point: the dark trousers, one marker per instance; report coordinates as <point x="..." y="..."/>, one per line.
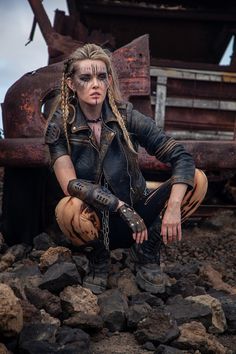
<point x="120" y="235"/>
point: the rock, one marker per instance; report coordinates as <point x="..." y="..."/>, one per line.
<point x="126" y="283"/>
<point x="179" y="271"/>
<point x="136" y="313"/>
<point x="158" y="327"/>
<point x="38" y="332"/>
<point x="6" y="261"/>
<point x="228" y="303"/>
<point x="150" y="299"/>
<point x="19" y="251"/>
<point x="193" y="335"/>
<point x="215" y="278"/>
<point x="43" y="299"/>
<point x="54" y="255"/>
<point x="38" y="347"/>
<point x="82" y="264"/>
<point x="11" y="313"/>
<point x="118" y="255"/>
<point x="149" y="346"/>
<point x="47" y="319"/>
<point x="16" y="285"/>
<point x="218" y="317"/>
<point x="35" y="255"/>
<point x="76" y="299"/>
<point x="184" y="310"/>
<point x="85" y="322"/>
<point x="29" y="274"/>
<point x="30" y="313"/>
<point x="186" y="287"/>
<point x="113" y="305"/>
<point x="60" y="275"/>
<point x="43" y="241"/>
<point x="124" y="343"/>
<point x="75" y="337"/>
<point x="165" y="349"/>
<point x="42" y="338"/>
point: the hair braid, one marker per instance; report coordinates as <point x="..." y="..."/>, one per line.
<point x="65" y="107"/>
<point x="120" y="121"/>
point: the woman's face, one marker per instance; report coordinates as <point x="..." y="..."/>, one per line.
<point x="90" y="81"/>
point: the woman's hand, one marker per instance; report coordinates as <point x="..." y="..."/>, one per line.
<point x="134" y="221"/>
<point x="171" y="230"/>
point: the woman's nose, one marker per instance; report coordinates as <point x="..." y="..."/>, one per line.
<point x="95" y="81"/>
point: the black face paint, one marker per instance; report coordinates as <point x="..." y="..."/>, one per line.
<point x="85" y="76"/>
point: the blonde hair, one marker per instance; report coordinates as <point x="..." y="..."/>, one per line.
<point x="93" y="52"/>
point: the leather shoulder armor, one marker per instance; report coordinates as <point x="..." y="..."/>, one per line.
<point x="52" y="133"/>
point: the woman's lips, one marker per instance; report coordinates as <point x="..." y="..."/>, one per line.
<point x="95" y="95"/>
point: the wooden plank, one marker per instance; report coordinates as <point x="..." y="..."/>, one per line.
<point x="160" y="102"/>
<point x="193" y="74"/>
<point x="196" y="103"/>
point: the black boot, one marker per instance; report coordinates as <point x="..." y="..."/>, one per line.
<point x="149" y="276"/>
<point x="99" y="264"/>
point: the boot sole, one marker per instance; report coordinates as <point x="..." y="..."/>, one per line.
<point x="148" y="286"/>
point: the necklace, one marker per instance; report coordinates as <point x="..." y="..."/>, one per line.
<point x="94" y="120"/>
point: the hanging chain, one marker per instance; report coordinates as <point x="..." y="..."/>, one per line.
<point x="105" y="224"/>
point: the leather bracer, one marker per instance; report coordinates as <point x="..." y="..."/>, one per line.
<point x="134" y="221"/>
<point x="93" y="194"/>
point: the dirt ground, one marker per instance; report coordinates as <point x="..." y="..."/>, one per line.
<point x="212" y="241"/>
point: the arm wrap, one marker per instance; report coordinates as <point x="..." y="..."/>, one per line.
<point x="93" y="194"/>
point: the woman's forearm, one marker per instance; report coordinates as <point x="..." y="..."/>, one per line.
<point x="64" y="171"/>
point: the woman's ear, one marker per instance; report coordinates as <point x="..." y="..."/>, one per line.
<point x="70" y="84"/>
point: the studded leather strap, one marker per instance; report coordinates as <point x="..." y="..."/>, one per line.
<point x="93" y="194"/>
<point x="132" y="218"/>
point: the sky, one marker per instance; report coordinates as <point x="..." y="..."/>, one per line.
<point x="16" y="59"/>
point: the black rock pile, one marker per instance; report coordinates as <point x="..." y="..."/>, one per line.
<point x="45" y="309"/>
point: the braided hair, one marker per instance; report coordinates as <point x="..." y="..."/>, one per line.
<point x="93" y="52"/>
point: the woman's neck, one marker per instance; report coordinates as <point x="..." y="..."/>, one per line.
<point x="91" y="112"/>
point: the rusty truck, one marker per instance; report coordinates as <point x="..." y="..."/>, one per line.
<point x="167" y="56"/>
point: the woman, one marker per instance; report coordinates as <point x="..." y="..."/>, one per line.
<point x="93" y="139"/>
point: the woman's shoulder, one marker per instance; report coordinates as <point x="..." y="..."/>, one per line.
<point x="125" y="108"/>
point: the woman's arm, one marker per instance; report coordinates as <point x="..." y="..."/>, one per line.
<point x="171" y="223"/>
<point x="64" y="171"/>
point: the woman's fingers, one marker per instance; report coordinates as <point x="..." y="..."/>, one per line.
<point x="139" y="237"/>
<point x="171" y="233"/>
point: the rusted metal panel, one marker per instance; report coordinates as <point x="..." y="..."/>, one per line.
<point x="22" y="117"/>
<point x="24" y="152"/>
<point x="132" y="63"/>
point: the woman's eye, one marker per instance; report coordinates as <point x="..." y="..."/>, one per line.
<point x="102" y="76"/>
<point x="85" y="78"/>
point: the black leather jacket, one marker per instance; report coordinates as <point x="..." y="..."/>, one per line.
<point x="113" y="159"/>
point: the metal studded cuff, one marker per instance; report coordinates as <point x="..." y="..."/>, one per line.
<point x="134" y="221"/>
<point x="93" y="194"/>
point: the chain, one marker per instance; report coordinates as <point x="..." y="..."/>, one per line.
<point x="105" y="224"/>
